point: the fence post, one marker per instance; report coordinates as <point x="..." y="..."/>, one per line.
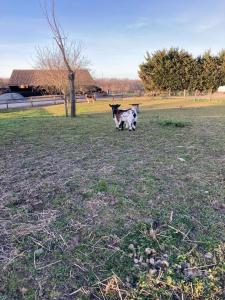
<point x="7" y="104"/>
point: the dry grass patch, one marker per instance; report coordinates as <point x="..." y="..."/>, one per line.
<point x="76" y="193"/>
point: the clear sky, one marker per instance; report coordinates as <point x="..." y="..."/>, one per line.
<point x="115" y="33"/>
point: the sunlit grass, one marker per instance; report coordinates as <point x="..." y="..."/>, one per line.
<point x="145" y="103"/>
<point x="102" y="106"/>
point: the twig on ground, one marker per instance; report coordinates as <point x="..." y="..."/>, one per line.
<point x="37" y="242"/>
<point x="177" y="230"/>
<point x="192" y="249"/>
<point x="65" y="243"/>
<point x="171" y="217"/>
<point x="75" y="292"/>
<point x="49" y="265"/>
<point x="201" y="267"/>
<point x="35" y="267"/>
<point x="81" y="268"/>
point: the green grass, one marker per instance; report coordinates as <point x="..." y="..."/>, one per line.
<point x="84" y="193"/>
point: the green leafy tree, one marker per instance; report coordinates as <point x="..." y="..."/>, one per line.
<point x="177" y="70"/>
<point x="167" y="70"/>
<point x="222" y="61"/>
<point x="197" y="79"/>
<point x="212" y="71"/>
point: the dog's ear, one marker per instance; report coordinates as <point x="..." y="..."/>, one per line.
<point x="118" y="105"/>
<point x="110" y="105"/>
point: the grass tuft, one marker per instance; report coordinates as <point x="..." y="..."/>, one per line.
<point x="173" y="123"/>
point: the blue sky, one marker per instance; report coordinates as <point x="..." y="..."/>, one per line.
<point x="115" y="33"/>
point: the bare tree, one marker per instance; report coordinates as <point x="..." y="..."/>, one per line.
<point x="55" y="76"/>
<point x="1" y="83"/>
<point x="70" y="55"/>
<point x="4" y="82"/>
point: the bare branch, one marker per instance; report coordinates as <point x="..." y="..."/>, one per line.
<point x="68" y="57"/>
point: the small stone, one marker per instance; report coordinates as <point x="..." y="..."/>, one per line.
<point x="181" y="159"/>
<point x="155" y="224"/>
<point x="136" y="261"/>
<point x="165" y="264"/>
<point x="141" y="259"/>
<point x="177" y="268"/>
<point x="150" y="251"/>
<point x="165" y="256"/>
<point x="75" y="240"/>
<point x="144" y="265"/>
<point x="131" y="247"/>
<point x="152" y="234"/>
<point x="152" y="261"/>
<point x="158" y="264"/>
<point x="208" y="255"/>
<point x="184" y="266"/>
<point x="190" y="273"/>
<point x="152" y="271"/>
<point x="218" y="206"/>
<point x="23" y="291"/>
<point x="153" y="252"/>
<point x="37" y="205"/>
<point x="38" y="252"/>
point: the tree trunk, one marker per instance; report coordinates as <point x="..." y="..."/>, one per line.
<point x="66" y="106"/>
<point x="71" y="77"/>
<point x="184" y="93"/>
<point x="210" y="95"/>
<point x="195" y="95"/>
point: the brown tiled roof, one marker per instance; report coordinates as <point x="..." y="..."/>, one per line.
<point x="41" y="77"/>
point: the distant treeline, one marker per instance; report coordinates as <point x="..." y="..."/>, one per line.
<point x="175" y="69"/>
<point x="115" y="85"/>
<point x="3" y="82"/>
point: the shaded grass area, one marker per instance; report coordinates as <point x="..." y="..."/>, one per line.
<point x="172" y="122"/>
<point x="77" y="194"/>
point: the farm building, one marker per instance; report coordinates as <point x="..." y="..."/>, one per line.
<point x="221" y="89"/>
<point x="36" y="82"/>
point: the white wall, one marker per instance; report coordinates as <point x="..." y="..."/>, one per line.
<point x="221" y="89"/>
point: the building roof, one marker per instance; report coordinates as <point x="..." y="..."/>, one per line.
<point x="41" y="77"/>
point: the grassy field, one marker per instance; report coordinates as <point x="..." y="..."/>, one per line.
<point x="88" y="212"/>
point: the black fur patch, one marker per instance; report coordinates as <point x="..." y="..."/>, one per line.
<point x="121" y="125"/>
